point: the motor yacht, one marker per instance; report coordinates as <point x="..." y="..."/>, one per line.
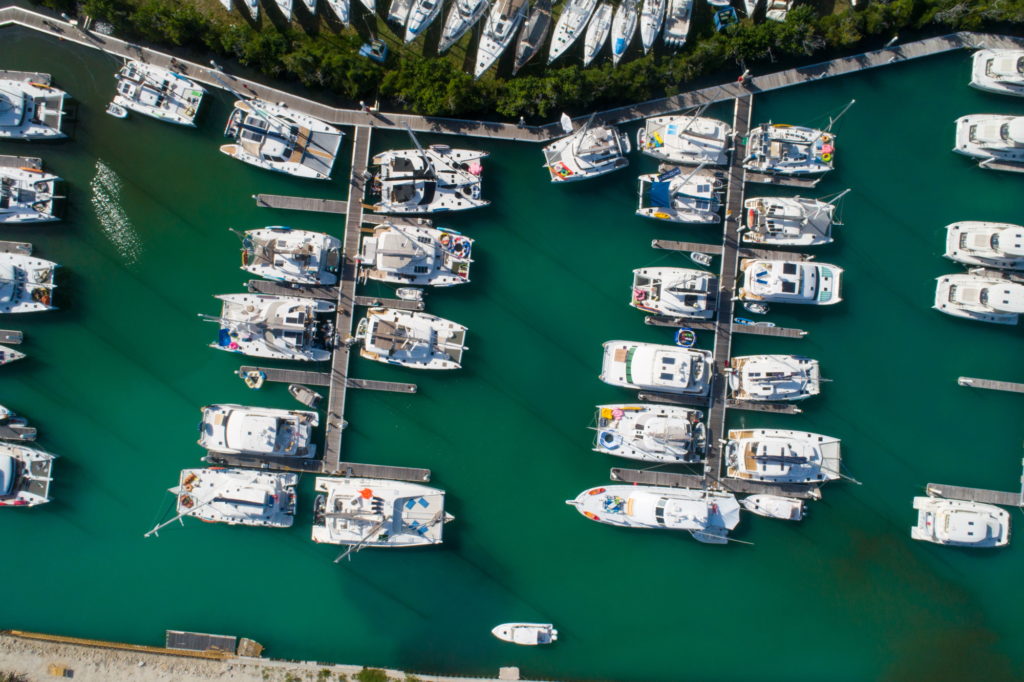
<point x="960" y="523"/>
<point x="675" y="292"/>
<point x="782" y="281"/>
<point x="429" y="180"/>
<point x="655" y="367"/>
<point x="411" y="339"/>
<point x="416" y="255"/>
<point x="989" y="245"/>
<point x="279" y="327"/>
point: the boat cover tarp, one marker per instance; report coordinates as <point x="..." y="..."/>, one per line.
<point x="660" y="195"/>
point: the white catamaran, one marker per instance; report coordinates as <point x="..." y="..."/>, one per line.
<point x="681" y="196"/>
<point x="287" y="255"/>
<point x="782" y="456"/>
<point x="789" y="221"/>
<point x="411" y="339"/>
<point x="416" y="255"/>
<point x="237" y="497"/>
<point x="692" y="140"/>
<point x="429" y="180"/>
<point x="25" y="475"/>
<point x="262" y="431"/>
<point x="30" y="110"/>
<point x="651" y="432"/>
<point x="655" y="367"/>
<point x="762" y="378"/>
<point x="675" y="292"/>
<point x="26" y="283"/>
<point x="779" y="281"/>
<point x="589" y="152"/>
<point x="157" y="92"/>
<point x="27" y="195"/>
<point x="999" y="71"/>
<point x="279" y="327"/>
<point x="990" y="245"/>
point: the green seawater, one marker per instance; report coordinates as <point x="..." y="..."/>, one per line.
<point x="115" y="379"/>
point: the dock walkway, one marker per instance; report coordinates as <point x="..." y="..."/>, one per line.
<point x="957" y="492"/>
<point x="735" y="485"/>
<point x="20" y="161"/>
<point x="991" y="384"/>
<point x="301" y="203"/>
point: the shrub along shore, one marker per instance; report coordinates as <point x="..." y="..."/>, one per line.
<point x="322" y="55"/>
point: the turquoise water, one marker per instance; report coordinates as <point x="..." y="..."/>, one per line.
<point x="115" y="380"/>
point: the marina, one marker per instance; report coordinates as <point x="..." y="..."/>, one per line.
<point x="512" y="314"/>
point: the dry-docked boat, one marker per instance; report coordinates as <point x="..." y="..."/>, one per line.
<point x="960" y="523"/>
<point x="287" y="255"/>
<point x="623" y="28"/>
<point x="154" y="91"/>
<point x="985" y="298"/>
<point x="991" y="137"/>
<point x="342" y="9"/>
<point x="789" y="150"/>
<point x="252" y="7"/>
<point x="421" y="15"/>
<point x="370" y="512"/>
<point x="277" y="138"/>
<point x="27" y="195"/>
<point x="675" y="292"/>
<point x="237" y="497"/>
<point x="1000" y="71"/>
<point x="588" y="152"/>
<point x="398" y="12"/>
<point x="655" y="367"/>
<point x="526" y="634"/>
<point x="597" y="32"/>
<point x="461" y="17"/>
<point x="788" y="221"/>
<point x="26" y="283"/>
<point x="25" y="475"/>
<point x="677" y="22"/>
<point x="411" y="339"/>
<point x="707" y="516"/>
<point x="651" y="432"/>
<point x="686" y="139"/>
<point x="416" y="255"/>
<point x="280" y="327"/>
<point x="430" y="180"/>
<point x="782" y="456"/>
<point x="778" y="9"/>
<point x="991" y="245"/>
<point x="680" y="196"/>
<point x="30" y="110"/>
<point x="264" y="431"/>
<point x="499" y="29"/>
<point x="779" y="281"/>
<point x="285" y="7"/>
<point x="773" y="377"/>
<point x="774" y="506"/>
<point x="533" y="34"/>
<point x="750" y="6"/>
<point x="570" y="25"/>
<point x="652" y="15"/>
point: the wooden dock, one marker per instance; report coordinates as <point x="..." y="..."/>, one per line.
<point x="662" y="478"/>
<point x="761" y="330"/>
<point x="397" y="303"/>
<point x="802" y="182"/>
<point x="673" y="399"/>
<point x="662" y="321"/>
<point x="802" y="491"/>
<point x="670" y="245"/>
<point x="301" y="203"/>
<point x="20" y="161"/>
<point x="735" y="485"/>
<point x="990" y="384"/>
<point x="11" y="336"/>
<point x="774" y="408"/>
<point x="956" y="492"/>
<point x="22" y="248"/>
<point x="316" y="466"/>
<point x="262" y="286"/>
<point x="768" y="254"/>
<point x="295" y="376"/>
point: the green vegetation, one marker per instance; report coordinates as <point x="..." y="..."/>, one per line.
<point x="319" y="54"/>
<point x="372" y="675"/>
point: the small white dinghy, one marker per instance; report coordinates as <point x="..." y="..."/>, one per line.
<point x="774" y="507"/>
<point x="527" y="634"/>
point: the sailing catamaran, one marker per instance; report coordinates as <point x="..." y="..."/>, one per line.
<point x="589" y="152"/>
<point x="287" y="255"/>
<point x="411" y="339"/>
<point x="773" y="377"/>
<point x="277" y="138"/>
<point x="533" y="34"/>
<point x="570" y="25"/>
<point x="27" y="195"/>
<point x="789" y="221"/>
<point x="686" y="139"/>
<point x="681" y="196"/>
<point x="25" y="475"/>
<point x="675" y="292"/>
<point x="157" y="92"/>
<point x="651" y="18"/>
<point x="461" y="17"/>
<point x="429" y="180"/>
<point x="782" y="456"/>
<point x="416" y="255"/>
<point x="26" y="283"/>
<point x="650" y="432"/>
<point x="280" y="327"/>
<point x="30" y="110"/>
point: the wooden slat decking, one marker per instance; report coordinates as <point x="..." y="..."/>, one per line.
<point x="301" y="203"/>
<point x="670" y="245"/>
<point x="774" y="408"/>
<point x="783" y="180"/>
<point x="761" y="330"/>
<point x="956" y="492"/>
<point x="20" y="161"/>
<point x="262" y="286"/>
<point x="662" y="478"/>
<point x="991" y="384"/>
<point x="11" y="336"/>
<point x="673" y="399"/>
<point x="373" y="302"/>
<point x="290" y="376"/>
<point x="769" y="254"/>
<point x="662" y="321"/>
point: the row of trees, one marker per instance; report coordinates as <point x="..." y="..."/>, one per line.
<point x="438" y="86"/>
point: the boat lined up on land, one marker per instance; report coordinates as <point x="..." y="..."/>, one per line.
<point x="416" y="255"/>
<point x="27" y="195"/>
<point x="263" y="431"/>
<point x="430" y="180"/>
<point x="675" y="292"/>
<point x="986" y="244"/>
<point x="775" y="148"/>
<point x="685" y="139"/>
<point x="782" y="456"/>
<point x="369" y="512"/>
<point x="589" y="152"/>
<point x="981" y="297"/>
<point x="461" y="17"/>
<point x="708" y="516"/>
<point x="788" y="221"/>
<point x="778" y="9"/>
<point x="287" y="255"/>
<point x="27" y="283"/>
<point x="342" y="9"/>
<point x="651" y="432"/>
<point x="154" y="91"/>
<point x="411" y="339"/>
<point x="499" y="30"/>
<point x="30" y="110"/>
<point x="681" y="196"/>
<point x="274" y="137"/>
<point x="533" y="34"/>
<point x="25" y="475"/>
<point x="570" y="26"/>
<point x="279" y="327"/>
<point x="762" y="378"/>
<point x="421" y="16"/>
<point x="251" y="6"/>
<point x="677" y="22"/>
<point x="624" y="24"/>
<point x="652" y="16"/>
<point x="999" y="71"/>
<point x="656" y="367"/>
<point x="780" y="281"/>
<point x="237" y="497"/>
<point x="597" y="32"/>
<point x="960" y="523"/>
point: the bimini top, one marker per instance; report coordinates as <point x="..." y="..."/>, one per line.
<point x="30" y="111"/>
<point x="656" y="367"/>
<point x="371" y="512"/>
<point x="258" y="431"/>
<point x="996" y="245"/>
<point x="277" y="138"/>
<point x="789" y="150"/>
<point x="708" y="516"/>
<point x="26" y="283"/>
<point x="416" y="255"/>
<point x="790" y="281"/>
<point x="675" y="292"/>
<point x="999" y="71"/>
<point x="960" y="523"/>
<point x="680" y="196"/>
<point x="686" y="139"/>
<point x="782" y="456"/>
<point x="980" y="297"/>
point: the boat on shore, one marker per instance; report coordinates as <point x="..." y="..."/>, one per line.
<point x="421" y="15"/>
<point x="623" y="28"/>
<point x="461" y="17"/>
<point x="533" y="34"/>
<point x="398" y="13"/>
<point x="675" y="292"/>
<point x="652" y="16"/>
<point x="526" y="634"/>
<point x="656" y="367"/>
<point x="30" y="110"/>
<point x="499" y="30"/>
<point x="677" y="22"/>
<point x="162" y="94"/>
<point x="416" y="255"/>
<point x="764" y="378"/>
<point x="263" y="431"/>
<point x="26" y="283"/>
<point x="782" y="456"/>
<point x="778" y="281"/>
<point x="597" y="32"/>
<point x="985" y="298"/>
<point x="986" y="244"/>
<point x="960" y="523"/>
<point x="279" y="327"/>
<point x="570" y="26"/>
<point x="25" y="475"/>
<point x="999" y="71"/>
<point x="651" y="432"/>
<point x="695" y="140"/>
<point x="342" y="9"/>
<point x="277" y="138"/>
<point x="370" y="512"/>
<point x="27" y="195"/>
<point x="589" y="152"/>
<point x="411" y="339"/>
<point x="778" y="9"/>
<point x="237" y="497"/>
<point x="708" y="516"/>
<point x="287" y="255"/>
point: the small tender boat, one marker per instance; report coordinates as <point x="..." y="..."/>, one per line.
<point x="409" y="293"/>
<point x="463" y="16"/>
<point x="262" y="431"/>
<point x="499" y="29"/>
<point x="656" y="367"/>
<point x="8" y="355"/>
<point x="677" y="22"/>
<point x="305" y="395"/>
<point x="990" y="245"/>
<point x="778" y="281"/>
<point x="411" y="339"/>
<point x="589" y="152"/>
<point x="651" y="18"/>
<point x="527" y="634"/>
<point x="774" y="507"/>
<point x="30" y="110"/>
<point x="789" y="150"/>
<point x="686" y="139"/>
<point x="597" y="32"/>
<point x="623" y="28"/>
<point x="116" y="110"/>
<point x="570" y="25"/>
<point x="533" y="34"/>
<point x="763" y="378"/>
<point x="960" y="523"/>
<point x="985" y="298"/>
<point x="254" y="378"/>
<point x="27" y="195"/>
<point x="701" y="258"/>
<point x="999" y="71"/>
<point x="25" y="475"/>
<point x="755" y="307"/>
<point x="157" y="92"/>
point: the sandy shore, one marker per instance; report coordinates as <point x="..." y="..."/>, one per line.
<point x="33" y="658"/>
